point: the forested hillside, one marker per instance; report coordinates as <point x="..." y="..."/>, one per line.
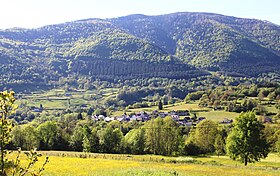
<point x="174" y="46"/>
<point x="211" y="41"/>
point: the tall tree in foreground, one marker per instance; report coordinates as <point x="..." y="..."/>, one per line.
<point x="219" y="145"/>
<point x="6" y="107"/>
<point x="171" y="137"/>
<point x="246" y="141"/>
<point x="205" y="135"/>
<point x="162" y="136"/>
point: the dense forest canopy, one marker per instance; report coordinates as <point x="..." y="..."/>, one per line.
<point x="173" y="46"/>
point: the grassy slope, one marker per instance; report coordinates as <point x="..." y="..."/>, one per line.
<point x="183" y="106"/>
<point x="71" y="163"/>
<point x="57" y="98"/>
<point x="175" y="107"/>
<point x="218" y="115"/>
<point x="202" y="112"/>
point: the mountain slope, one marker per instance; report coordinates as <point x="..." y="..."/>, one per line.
<point x="211" y="41"/>
<point x="92" y="48"/>
<point x="139" y="46"/>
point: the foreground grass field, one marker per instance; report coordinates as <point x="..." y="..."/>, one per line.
<point x="81" y="164"/>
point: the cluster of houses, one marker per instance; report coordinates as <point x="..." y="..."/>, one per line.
<point x="37" y="109"/>
<point x="181" y="117"/>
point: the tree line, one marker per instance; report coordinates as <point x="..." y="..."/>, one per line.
<point x="239" y="99"/>
<point x="160" y="136"/>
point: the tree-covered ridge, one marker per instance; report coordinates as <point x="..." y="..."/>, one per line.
<point x="118" y="69"/>
<point x="52" y="40"/>
<point x="116" y="44"/>
<point x="210" y="42"/>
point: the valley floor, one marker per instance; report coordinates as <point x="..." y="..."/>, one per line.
<point x="81" y="164"/>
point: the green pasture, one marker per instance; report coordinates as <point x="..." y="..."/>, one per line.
<point x="59" y="99"/>
<point x="218" y="115"/>
<point x="84" y="164"/>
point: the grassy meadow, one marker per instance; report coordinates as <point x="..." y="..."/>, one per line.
<point x="82" y="164"/>
<point x="166" y="108"/>
<point x="201" y="111"/>
<point x="218" y="115"/>
<point x="58" y="99"/>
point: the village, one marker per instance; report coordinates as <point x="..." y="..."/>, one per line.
<point x="183" y="118"/>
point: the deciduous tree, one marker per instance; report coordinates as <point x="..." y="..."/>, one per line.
<point x="246" y="141"/>
<point x="6" y="106"/>
<point x="205" y="135"/>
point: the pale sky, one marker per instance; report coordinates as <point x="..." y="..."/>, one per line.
<point x="37" y="13"/>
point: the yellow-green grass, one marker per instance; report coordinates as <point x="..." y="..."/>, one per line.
<point x="272" y="161"/>
<point x="56" y="98"/>
<point x="77" y="166"/>
<point x="184" y="106"/>
<point x="53" y="92"/>
<point x="49" y="103"/>
<point x="74" y="163"/>
<point x="272" y="109"/>
<point x="218" y="115"/>
<point x="166" y="108"/>
<point x="135" y="110"/>
<point x="109" y="90"/>
<point x="117" y="113"/>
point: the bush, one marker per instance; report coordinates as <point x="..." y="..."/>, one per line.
<point x="192" y="149"/>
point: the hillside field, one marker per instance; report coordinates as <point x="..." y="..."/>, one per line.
<point x="58" y="99"/>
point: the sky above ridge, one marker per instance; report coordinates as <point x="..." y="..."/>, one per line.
<point x="37" y="13"/>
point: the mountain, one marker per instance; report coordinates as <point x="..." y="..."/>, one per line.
<point x="176" y="46"/>
<point x="211" y="41"/>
